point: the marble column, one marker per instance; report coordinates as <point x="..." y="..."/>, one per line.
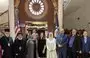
<point x="60" y="14"/>
<point x="11" y="19"/>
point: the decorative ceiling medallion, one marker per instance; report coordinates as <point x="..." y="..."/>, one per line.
<point x="36" y="9"/>
<point x="39" y="9"/>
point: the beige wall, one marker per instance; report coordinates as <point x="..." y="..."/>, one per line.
<point x="71" y="20"/>
<point x="4" y="18"/>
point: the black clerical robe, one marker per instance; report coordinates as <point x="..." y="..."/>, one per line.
<point x="6" y="43"/>
<point x="19" y="49"/>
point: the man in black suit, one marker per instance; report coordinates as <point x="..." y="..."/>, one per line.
<point x="74" y="44"/>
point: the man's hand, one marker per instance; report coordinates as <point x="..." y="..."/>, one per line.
<point x="43" y="51"/>
<point x="80" y="52"/>
<point x="59" y="45"/>
<point x="89" y="52"/>
<point x="2" y="51"/>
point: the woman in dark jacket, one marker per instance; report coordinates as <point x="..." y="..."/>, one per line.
<point x="41" y="46"/>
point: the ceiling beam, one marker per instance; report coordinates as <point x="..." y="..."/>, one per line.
<point x="3" y="12"/>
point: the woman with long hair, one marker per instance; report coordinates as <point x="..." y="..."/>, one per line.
<point x="41" y="45"/>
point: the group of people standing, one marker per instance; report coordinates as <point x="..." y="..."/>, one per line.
<point x="72" y="46"/>
<point x="28" y="46"/>
<point x="45" y="45"/>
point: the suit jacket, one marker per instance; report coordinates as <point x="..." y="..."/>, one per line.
<point x="76" y="44"/>
<point x="62" y="42"/>
<point x="86" y="45"/>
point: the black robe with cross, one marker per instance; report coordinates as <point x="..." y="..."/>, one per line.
<point x="19" y="49"/>
<point x="6" y="43"/>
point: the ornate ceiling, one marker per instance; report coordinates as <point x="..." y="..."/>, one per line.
<point x="36" y="9"/>
<point x="4" y="7"/>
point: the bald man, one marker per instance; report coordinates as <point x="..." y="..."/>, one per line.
<point x="74" y="44"/>
<point x="61" y="40"/>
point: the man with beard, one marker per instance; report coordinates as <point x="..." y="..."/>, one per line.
<point x="19" y="47"/>
<point x="6" y="43"/>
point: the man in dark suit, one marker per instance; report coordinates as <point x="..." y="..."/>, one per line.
<point x="85" y="45"/>
<point x="6" y="43"/>
<point x="74" y="44"/>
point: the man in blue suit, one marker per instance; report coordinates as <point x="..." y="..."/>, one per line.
<point x="85" y="45"/>
<point x="61" y="40"/>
